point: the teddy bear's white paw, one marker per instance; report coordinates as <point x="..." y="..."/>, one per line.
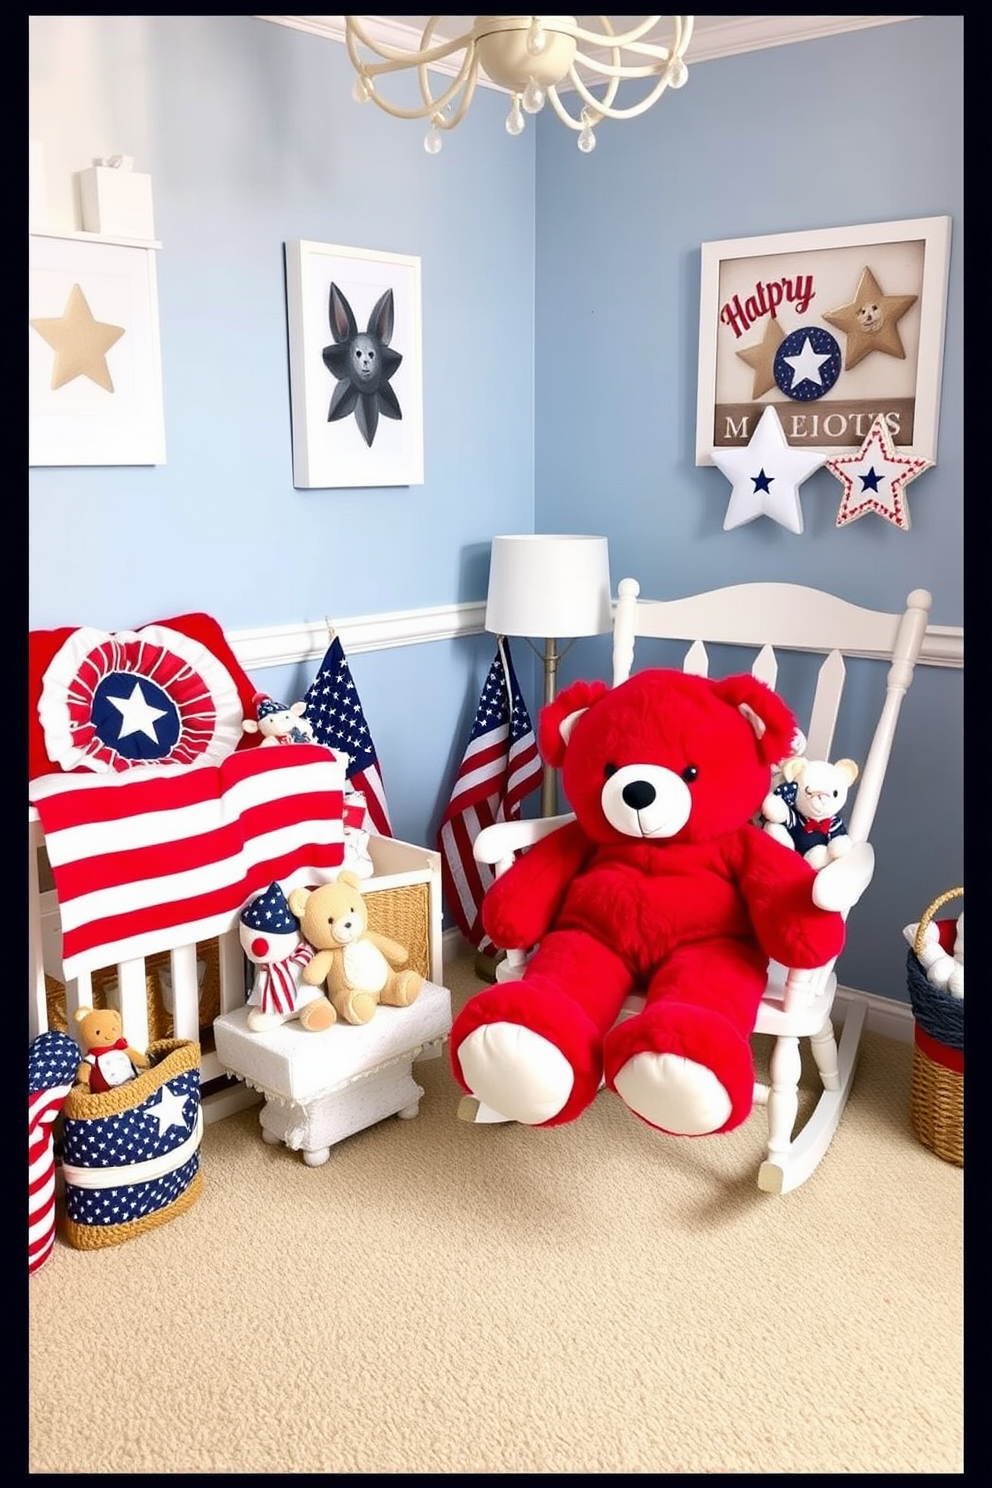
<point x="841" y="883"/>
<point x="516" y="1072"/>
<point x="673" y="1093"/>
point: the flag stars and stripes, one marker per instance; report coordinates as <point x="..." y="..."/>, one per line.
<point x="499" y="769"/>
<point x="335" y="714"/>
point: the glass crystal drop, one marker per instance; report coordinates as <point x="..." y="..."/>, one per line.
<point x="677" y="73"/>
<point x="515" y="119"/>
<point x="432" y="140"/>
<point x="533" y="97"/>
<point x="587" y="141"/>
<point x="362" y="91"/>
<point x="536" y="39"/>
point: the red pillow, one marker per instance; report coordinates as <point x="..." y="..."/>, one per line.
<point x="172" y="692"/>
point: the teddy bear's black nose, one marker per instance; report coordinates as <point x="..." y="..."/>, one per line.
<point x="638" y="794"/>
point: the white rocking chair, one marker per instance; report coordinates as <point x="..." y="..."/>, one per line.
<point x="798" y="1004"/>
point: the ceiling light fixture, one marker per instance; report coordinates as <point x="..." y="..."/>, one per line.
<point x="532" y="57"/>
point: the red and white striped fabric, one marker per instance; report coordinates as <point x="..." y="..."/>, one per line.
<point x="169" y="855"/>
<point x="52" y="1061"/>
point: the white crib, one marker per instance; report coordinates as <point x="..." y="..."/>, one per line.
<point x="404" y="875"/>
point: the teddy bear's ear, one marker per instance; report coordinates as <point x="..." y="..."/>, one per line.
<point x="793" y="767"/>
<point x="559" y="718"/>
<point x="848" y="769"/>
<point x="348" y="877"/>
<point x="80" y="1014"/>
<point x="297" y="902"/>
<point x="773" y="722"/>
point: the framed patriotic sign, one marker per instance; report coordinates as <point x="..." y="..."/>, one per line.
<point x="355" y="366"/>
<point x="94" y="357"/>
<point x="835" y="328"/>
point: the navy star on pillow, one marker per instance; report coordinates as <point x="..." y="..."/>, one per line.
<point x="154" y="696"/>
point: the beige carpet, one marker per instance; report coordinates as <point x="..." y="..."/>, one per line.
<point x="447" y="1298"/>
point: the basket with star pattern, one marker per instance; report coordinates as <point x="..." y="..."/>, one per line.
<point x="131" y="1155"/>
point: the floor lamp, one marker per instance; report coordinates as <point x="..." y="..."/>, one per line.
<point x="549" y="586"/>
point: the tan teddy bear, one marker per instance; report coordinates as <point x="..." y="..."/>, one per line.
<point x="108" y="1058"/>
<point x="360" y="967"/>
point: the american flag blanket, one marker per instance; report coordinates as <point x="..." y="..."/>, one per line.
<point x="132" y="1154"/>
<point x="167" y="855"/>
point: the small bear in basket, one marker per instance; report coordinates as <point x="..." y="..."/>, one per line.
<point x="359" y="967"/>
<point x="108" y="1059"/>
<point x="271" y="939"/>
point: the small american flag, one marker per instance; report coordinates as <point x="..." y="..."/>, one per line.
<point x="52" y="1061"/>
<point x="335" y="714"/>
<point x="170" y="854"/>
<point x="500" y="767"/>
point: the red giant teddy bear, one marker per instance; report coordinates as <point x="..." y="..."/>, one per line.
<point x="662" y="883"/>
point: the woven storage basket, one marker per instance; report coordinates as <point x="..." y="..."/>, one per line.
<point x="937" y="1093"/>
<point x="132" y="1154"/>
<point x="404" y="914"/>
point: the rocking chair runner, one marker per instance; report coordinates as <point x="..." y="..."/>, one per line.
<point x="767" y="618"/>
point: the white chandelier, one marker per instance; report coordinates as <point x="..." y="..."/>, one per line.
<point x="531" y="57"/>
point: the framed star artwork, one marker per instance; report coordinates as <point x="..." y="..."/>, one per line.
<point x="355" y="366"/>
<point x="94" y="355"/>
<point x="832" y="328"/>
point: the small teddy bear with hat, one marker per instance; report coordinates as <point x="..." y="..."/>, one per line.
<point x="270" y="938"/>
<point x="279" y="723"/>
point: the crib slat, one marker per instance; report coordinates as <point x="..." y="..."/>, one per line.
<point x="132" y="991"/>
<point x="184" y="992"/>
<point x="232" y="971"/>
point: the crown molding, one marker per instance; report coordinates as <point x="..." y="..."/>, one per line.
<point x="730" y="38"/>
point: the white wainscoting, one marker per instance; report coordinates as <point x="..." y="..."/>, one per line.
<point x="280" y="645"/>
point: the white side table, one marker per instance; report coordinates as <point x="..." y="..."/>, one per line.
<point x="321" y="1087"/>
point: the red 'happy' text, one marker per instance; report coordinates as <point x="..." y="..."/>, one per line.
<point x="765" y="300"/>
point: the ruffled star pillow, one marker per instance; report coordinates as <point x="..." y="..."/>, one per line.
<point x="171" y="693"/>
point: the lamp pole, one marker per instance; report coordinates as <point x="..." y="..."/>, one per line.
<point x="549" y="784"/>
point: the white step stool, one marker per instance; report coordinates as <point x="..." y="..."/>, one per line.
<point x="321" y="1087"/>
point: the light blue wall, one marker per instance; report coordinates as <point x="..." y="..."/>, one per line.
<point x="570" y="408"/>
<point x="834" y="132"/>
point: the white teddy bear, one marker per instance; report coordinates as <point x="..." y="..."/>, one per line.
<point x="803" y="811"/>
<point x="942" y="970"/>
<point x="279" y="724"/>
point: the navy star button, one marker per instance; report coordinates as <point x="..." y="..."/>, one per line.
<point x="762" y="482"/>
<point x="869" y="482"/>
<point x="807" y="364"/>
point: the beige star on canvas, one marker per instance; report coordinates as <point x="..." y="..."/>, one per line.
<point x="79" y="341"/>
<point x="871" y="321"/>
<point x="761" y="358"/>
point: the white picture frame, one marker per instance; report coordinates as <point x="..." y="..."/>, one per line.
<point x="810" y="276"/>
<point x="330" y="291"/>
<point x="94" y="354"/>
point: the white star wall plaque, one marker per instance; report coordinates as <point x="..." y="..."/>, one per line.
<point x="766" y="474"/>
<point x="875" y="479"/>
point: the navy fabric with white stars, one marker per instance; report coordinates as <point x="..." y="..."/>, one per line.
<point x="53" y="1058"/>
<point x="335" y="712"/>
<point x="157" y="1126"/>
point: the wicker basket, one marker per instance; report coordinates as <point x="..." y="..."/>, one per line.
<point x="937" y="1094"/>
<point x="404" y="914"/>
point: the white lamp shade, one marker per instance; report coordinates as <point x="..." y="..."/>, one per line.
<point x="550" y="586"/>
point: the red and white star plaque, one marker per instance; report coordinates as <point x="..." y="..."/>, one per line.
<point x="875" y="479"/>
